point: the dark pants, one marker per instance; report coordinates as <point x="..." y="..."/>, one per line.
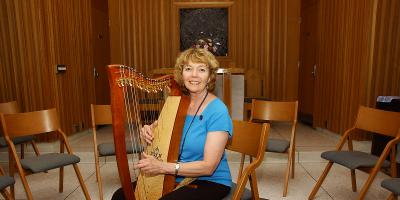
<point x="197" y="190"/>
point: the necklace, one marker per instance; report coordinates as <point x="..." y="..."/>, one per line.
<point x="191" y="108"/>
<point x="191" y="122"/>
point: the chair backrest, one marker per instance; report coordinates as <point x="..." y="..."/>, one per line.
<point x="274" y="110"/>
<point x="101" y="114"/>
<point x="249" y="139"/>
<point x="9" y="107"/>
<point x="30" y="123"/>
<point x="378" y="121"/>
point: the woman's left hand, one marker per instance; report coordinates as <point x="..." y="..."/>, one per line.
<point x="149" y="165"/>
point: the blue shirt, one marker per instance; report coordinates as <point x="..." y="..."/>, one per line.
<point x="215" y="117"/>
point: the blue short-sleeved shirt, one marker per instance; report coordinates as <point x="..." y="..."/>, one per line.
<point x="215" y="117"/>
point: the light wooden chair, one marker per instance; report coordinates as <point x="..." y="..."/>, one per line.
<point x="368" y="119"/>
<point x="101" y="115"/>
<point x="11" y="108"/>
<point x="393" y="185"/>
<point x="5" y="181"/>
<point x="248" y="139"/>
<point x="274" y="111"/>
<point x="33" y="123"/>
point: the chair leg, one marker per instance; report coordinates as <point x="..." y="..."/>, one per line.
<point x="293" y="162"/>
<point x="22" y="151"/>
<point x="287" y="174"/>
<point x="35" y="148"/>
<point x="83" y="186"/>
<point x="22" y="176"/>
<point x="61" y="180"/>
<point x="26" y="187"/>
<point x="6" y="194"/>
<point x="253" y="185"/>
<point x="98" y="177"/>
<point x="11" y="170"/>
<point x="242" y="159"/>
<point x="353" y="180"/>
<point x="320" y="181"/>
<point x="368" y="183"/>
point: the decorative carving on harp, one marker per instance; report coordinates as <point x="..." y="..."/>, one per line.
<point x="134" y="98"/>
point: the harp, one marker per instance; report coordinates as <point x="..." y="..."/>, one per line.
<point x="128" y="88"/>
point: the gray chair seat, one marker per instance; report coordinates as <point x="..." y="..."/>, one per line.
<point x="108" y="149"/>
<point x="246" y="193"/>
<point x="353" y="159"/>
<point x="17" y="140"/>
<point x="6" y="181"/>
<point x="392" y="184"/>
<point x="245" y="196"/>
<point x="277" y="145"/>
<point x="49" y="161"/>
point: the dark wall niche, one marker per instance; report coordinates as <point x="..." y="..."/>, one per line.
<point x="204" y="26"/>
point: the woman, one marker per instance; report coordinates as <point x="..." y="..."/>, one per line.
<point x="206" y="131"/>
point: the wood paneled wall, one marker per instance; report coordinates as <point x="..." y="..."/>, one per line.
<point x="342" y="60"/>
<point x="384" y="71"/>
<point x="358" y="58"/>
<point x="281" y="67"/>
<point x="357" y="54"/>
<point x="264" y="35"/>
<point x="34" y="37"/>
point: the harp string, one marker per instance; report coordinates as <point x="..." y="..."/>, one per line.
<point x="143" y="98"/>
<point x="134" y="125"/>
<point x="130" y="95"/>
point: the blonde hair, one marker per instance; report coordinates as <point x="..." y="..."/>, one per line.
<point x="196" y="55"/>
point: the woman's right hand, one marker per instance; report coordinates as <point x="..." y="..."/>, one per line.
<point x="147" y="132"/>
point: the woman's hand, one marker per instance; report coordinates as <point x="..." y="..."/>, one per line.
<point x="147" y="132"/>
<point x="149" y="165"/>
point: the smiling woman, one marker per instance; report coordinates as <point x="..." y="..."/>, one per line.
<point x="207" y="128"/>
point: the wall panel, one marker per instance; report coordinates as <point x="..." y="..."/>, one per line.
<point x="37" y="35"/>
<point x="344" y="41"/>
<point x="385" y="67"/>
<point x="357" y="59"/>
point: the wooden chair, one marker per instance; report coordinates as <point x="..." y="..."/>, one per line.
<point x="33" y="123"/>
<point x="248" y="139"/>
<point x="101" y="115"/>
<point x="368" y="119"/>
<point x="262" y="110"/>
<point x="393" y="185"/>
<point x="11" y="108"/>
<point x="5" y="181"/>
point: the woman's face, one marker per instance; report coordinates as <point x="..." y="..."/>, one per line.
<point x="195" y="77"/>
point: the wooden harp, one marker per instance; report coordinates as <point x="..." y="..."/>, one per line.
<point x="125" y="85"/>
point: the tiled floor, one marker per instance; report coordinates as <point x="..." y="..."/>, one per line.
<point x="310" y="143"/>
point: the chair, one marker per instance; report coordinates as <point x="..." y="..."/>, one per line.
<point x="248" y="139"/>
<point x="11" y="108"/>
<point x="393" y="185"/>
<point x="368" y="119"/>
<point x="5" y="181"/>
<point x="262" y="110"/>
<point x="33" y="123"/>
<point x="101" y="115"/>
